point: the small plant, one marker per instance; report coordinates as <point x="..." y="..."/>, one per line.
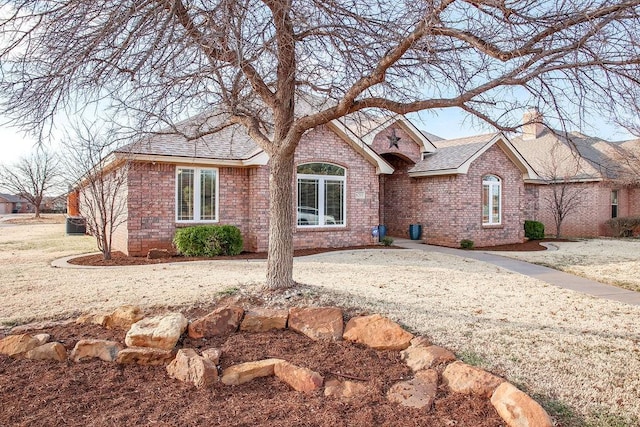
<point x="387" y="241"/>
<point x="208" y="240"/>
<point x="534" y="230"/>
<point x="471" y="358"/>
<point x="466" y="244"/>
<point x="624" y="226"/>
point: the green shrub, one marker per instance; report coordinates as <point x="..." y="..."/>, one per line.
<point x="208" y="240"/>
<point x="466" y="244"/>
<point x="534" y="230"/>
<point x="387" y="241"/>
<point x="624" y="226"/>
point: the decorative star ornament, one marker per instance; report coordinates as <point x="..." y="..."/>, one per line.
<point x="393" y="139"/>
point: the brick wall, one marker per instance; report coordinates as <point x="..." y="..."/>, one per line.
<point x="589" y="217"/>
<point x="400" y="206"/>
<point x="407" y="147"/>
<point x="449" y="208"/>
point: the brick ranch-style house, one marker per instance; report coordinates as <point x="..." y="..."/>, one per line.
<point x="353" y="174"/>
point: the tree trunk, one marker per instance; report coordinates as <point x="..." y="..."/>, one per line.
<point x="280" y="255"/>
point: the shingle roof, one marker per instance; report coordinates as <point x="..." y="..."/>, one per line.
<point x="555" y="155"/>
<point x="231" y="143"/>
<point x="452" y="153"/>
<point x="11" y="198"/>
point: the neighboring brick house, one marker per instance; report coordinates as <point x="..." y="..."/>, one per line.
<point x="14" y="204"/>
<point x="601" y="176"/>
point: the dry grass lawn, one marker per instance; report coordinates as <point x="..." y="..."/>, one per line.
<point x="578" y="354"/>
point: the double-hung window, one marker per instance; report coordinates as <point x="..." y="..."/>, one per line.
<point x="321" y="195"/>
<point x="196" y="194"/>
<point x="491" y="200"/>
<point x="614" y="203"/>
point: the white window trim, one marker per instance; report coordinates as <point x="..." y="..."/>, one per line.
<point x="492" y="185"/>
<point x="321" y="185"/>
<point x="196" y="199"/>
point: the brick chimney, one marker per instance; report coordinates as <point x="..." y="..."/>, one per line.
<point x="532" y="126"/>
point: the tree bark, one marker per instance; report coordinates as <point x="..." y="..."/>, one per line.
<point x="280" y="255"/>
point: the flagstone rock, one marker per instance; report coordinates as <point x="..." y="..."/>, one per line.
<point x="158" y="332"/>
<point x="146" y="356"/>
<point x="188" y="366"/>
<point x="123" y="317"/>
<point x="48" y="351"/>
<point x="299" y="378"/>
<point x="42" y="338"/>
<point x="94" y="319"/>
<point x="517" y="409"/>
<point x="245" y="372"/>
<point x="264" y="319"/>
<point x="418" y="392"/>
<point x="377" y="332"/>
<point x="212" y="354"/>
<point x="463" y="378"/>
<point x="101" y="349"/>
<point x="344" y="389"/>
<point x="221" y="321"/>
<point x="419" y="357"/>
<point x="16" y="345"/>
<point x="318" y="323"/>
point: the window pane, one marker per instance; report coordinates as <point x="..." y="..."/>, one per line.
<point x="208" y="195"/>
<point x="308" y="202"/>
<point x="485" y="204"/>
<point x="185" y="194"/>
<point x="334" y="202"/>
<point x="321" y="169"/>
<point x="495" y="204"/>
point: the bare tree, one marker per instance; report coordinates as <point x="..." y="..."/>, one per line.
<point x="32" y="177"/>
<point x="562" y="172"/>
<point x="255" y="63"/>
<point x="99" y="184"/>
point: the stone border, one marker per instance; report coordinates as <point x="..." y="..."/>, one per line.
<point x="152" y="341"/>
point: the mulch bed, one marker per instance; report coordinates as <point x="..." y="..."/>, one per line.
<point x="118" y="258"/>
<point x="528" y="246"/>
<point x="97" y="393"/>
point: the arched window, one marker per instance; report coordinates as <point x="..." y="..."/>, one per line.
<point x="321" y="195"/>
<point x="491" y="200"/>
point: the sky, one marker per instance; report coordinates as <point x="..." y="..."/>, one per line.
<point x="446" y="123"/>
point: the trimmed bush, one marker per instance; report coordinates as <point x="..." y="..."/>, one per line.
<point x="534" y="230"/>
<point x="624" y="226"/>
<point x="466" y="244"/>
<point x="387" y="241"/>
<point x="208" y="240"/>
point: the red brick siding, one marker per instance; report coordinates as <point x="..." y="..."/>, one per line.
<point x="407" y="147"/>
<point x="323" y="145"/>
<point x="400" y="204"/>
<point x="450" y="207"/>
<point x="588" y="219"/>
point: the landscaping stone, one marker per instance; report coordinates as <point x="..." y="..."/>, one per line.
<point x="146" y="356"/>
<point x="188" y="366"/>
<point x="517" y="409"/>
<point x="42" y="338"/>
<point x="221" y="321"/>
<point x="418" y="392"/>
<point x="345" y="390"/>
<point x="48" y="351"/>
<point x="463" y="378"/>
<point x="299" y="378"/>
<point x="322" y="323"/>
<point x="158" y="332"/>
<point x="212" y="354"/>
<point x="377" y="332"/>
<point x="264" y="319"/>
<point x="158" y="254"/>
<point x="94" y="319"/>
<point x="16" y="345"/>
<point x="101" y="349"/>
<point x="245" y="372"/>
<point x="123" y="317"/>
<point x="419" y="357"/>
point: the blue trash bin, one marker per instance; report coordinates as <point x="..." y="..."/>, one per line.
<point x="415" y="231"/>
<point x="382" y="232"/>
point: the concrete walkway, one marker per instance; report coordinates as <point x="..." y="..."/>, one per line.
<point x="548" y="275"/>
